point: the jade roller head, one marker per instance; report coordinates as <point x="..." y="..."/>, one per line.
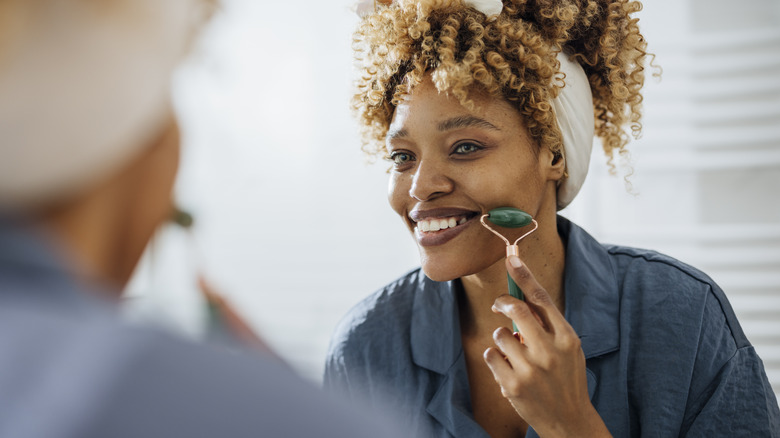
<point x="182" y="218"/>
<point x="509" y="217"/>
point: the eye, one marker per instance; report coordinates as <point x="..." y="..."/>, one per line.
<point x="466" y="148"/>
<point x="399" y="158"/>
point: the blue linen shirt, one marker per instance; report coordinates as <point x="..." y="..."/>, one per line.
<point x="70" y="368"/>
<point x="665" y="353"/>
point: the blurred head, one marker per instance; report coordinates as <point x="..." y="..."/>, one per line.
<point x="497" y="134"/>
<point x="87" y="132"/>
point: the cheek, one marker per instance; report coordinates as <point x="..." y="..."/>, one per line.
<point x="163" y="176"/>
<point x="157" y="186"/>
<point x="398" y="193"/>
<point x="495" y="183"/>
<point x="519" y="185"/>
<point x="171" y="161"/>
<point x="152" y="181"/>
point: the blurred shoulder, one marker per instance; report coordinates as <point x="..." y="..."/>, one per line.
<point x="237" y="393"/>
<point x="112" y="378"/>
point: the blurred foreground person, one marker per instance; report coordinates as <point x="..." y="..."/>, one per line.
<point x="88" y="155"/>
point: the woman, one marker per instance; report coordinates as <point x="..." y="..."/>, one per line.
<point x="480" y="105"/>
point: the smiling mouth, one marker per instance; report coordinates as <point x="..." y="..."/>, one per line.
<point x="438" y="224"/>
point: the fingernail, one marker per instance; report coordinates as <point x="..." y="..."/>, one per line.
<point x="515" y="262"/>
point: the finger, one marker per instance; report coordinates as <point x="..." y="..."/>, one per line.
<point x="522" y="315"/>
<point x="538" y="319"/>
<point x="508" y="378"/>
<point x="535" y="295"/>
<point x="511" y="346"/>
<point x="498" y="364"/>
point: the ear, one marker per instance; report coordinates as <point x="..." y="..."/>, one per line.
<point x="553" y="164"/>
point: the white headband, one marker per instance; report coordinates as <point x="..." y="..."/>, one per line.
<point x="573" y="109"/>
<point x="487" y="7"/>
<point x="83" y="87"/>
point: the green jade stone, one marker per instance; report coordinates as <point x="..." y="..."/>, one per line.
<point x="509" y="217"/>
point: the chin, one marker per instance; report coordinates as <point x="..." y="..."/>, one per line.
<point x="443" y="270"/>
<point x="441" y="265"/>
<point x="437" y="275"/>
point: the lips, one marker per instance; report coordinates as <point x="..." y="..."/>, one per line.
<point x="440" y="225"/>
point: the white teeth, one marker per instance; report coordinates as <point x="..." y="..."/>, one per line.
<point x="440" y="224"/>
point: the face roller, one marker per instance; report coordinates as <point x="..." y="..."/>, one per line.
<point x="214" y="303"/>
<point x="509" y="217"/>
<point x="182" y="218"/>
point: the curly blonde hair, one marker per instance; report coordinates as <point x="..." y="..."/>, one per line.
<point x="512" y="56"/>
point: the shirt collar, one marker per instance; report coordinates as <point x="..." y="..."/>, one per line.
<point x="435" y="326"/>
<point x="33" y="267"/>
<point x="592" y="295"/>
<point x="592" y="305"/>
<point x="22" y="245"/>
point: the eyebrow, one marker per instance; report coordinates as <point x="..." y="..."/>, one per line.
<point x="447" y="125"/>
<point x="398" y="133"/>
<point x="465" y="122"/>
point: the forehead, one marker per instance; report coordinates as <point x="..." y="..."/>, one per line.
<point x="428" y="108"/>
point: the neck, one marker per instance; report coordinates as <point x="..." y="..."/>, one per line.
<point x="88" y="233"/>
<point x="543" y="252"/>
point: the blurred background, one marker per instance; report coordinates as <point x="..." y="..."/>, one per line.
<point x="292" y="223"/>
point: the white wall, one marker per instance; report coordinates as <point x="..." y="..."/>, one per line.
<point x="294" y="227"/>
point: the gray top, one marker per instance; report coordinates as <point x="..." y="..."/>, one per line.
<point x="70" y="368"/>
<point x="665" y="354"/>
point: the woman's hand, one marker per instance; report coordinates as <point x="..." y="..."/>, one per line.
<point x="542" y="370"/>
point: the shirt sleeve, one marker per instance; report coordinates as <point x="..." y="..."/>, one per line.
<point x="738" y="402"/>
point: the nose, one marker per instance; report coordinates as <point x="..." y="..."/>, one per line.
<point x="430" y="181"/>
